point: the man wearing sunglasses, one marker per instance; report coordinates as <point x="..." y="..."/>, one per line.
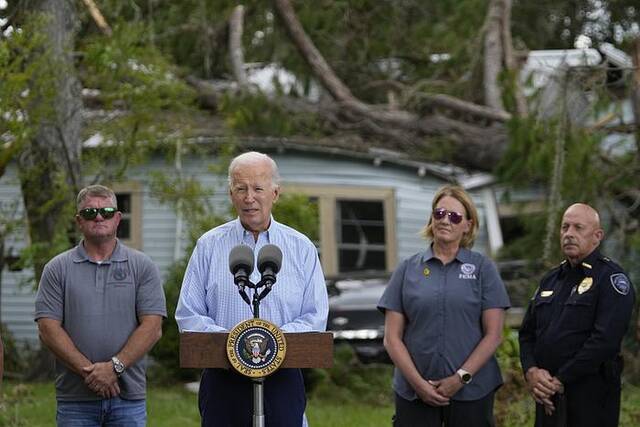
<point x="99" y="309"/>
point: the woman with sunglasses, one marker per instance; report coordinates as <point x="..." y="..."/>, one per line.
<point x="444" y="312"/>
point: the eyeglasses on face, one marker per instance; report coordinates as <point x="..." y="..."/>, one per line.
<point x="454" y="217"/>
<point x="92" y="213"/>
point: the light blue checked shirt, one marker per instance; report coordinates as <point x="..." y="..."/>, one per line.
<point x="209" y="300"/>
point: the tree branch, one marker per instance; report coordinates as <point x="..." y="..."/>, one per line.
<point x="310" y="53"/>
<point x="98" y="18"/>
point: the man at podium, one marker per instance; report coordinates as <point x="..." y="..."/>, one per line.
<point x="209" y="300"/>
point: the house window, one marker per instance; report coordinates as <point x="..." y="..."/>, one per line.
<point x="124" y="205"/>
<point x="357" y="227"/>
<point x="361" y="235"/>
<point x="129" y="197"/>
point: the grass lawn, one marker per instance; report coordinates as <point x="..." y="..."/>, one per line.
<point x="33" y="405"/>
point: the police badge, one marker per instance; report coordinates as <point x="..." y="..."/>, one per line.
<point x="585" y="285"/>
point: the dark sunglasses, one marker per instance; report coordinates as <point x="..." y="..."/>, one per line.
<point x="92" y="213"/>
<point x="454" y="217"/>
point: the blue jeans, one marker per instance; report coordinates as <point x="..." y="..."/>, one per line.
<point x="113" y="412"/>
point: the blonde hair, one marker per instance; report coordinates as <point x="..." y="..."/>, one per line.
<point x="463" y="197"/>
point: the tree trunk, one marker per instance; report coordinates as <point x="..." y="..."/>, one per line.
<point x="635" y="93"/>
<point x="510" y="61"/>
<point x="49" y="165"/>
<point x="493" y="54"/>
<point x="235" y="45"/>
<point x="555" y="191"/>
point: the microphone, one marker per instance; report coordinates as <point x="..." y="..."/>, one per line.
<point x="269" y="263"/>
<point x="241" y="266"/>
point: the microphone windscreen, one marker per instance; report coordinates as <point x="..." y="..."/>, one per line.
<point x="270" y="255"/>
<point x="241" y="257"/>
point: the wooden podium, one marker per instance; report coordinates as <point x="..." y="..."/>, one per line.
<point x="208" y="350"/>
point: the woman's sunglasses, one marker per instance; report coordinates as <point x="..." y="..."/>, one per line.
<point x="92" y="213"/>
<point x="454" y="217"/>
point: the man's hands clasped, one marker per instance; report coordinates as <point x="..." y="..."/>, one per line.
<point x="542" y="387"/>
<point x="102" y="379"/>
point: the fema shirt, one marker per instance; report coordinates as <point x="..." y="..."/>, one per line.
<point x="577" y="318"/>
<point x="443" y="307"/>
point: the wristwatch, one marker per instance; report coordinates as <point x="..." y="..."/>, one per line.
<point x="118" y="366"/>
<point x="465" y="376"/>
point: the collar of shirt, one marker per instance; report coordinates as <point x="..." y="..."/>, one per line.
<point x="119" y="254"/>
<point x="245" y="236"/>
<point x="463" y="255"/>
<point x="585" y="266"/>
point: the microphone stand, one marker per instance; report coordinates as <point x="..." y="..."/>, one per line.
<point x="258" y="383"/>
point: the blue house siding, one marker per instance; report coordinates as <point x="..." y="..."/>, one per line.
<point x="17" y="296"/>
<point x="412" y="202"/>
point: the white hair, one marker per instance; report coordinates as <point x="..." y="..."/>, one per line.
<point x="251" y="158"/>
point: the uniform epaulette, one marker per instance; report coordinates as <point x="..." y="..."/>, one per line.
<point x="611" y="263"/>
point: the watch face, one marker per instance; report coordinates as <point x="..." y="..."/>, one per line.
<point x="118" y="366"/>
<point x="466" y="378"/>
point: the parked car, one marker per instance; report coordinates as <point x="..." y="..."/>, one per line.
<point x="355" y="319"/>
<point x="353" y="314"/>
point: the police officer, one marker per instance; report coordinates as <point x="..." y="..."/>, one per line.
<point x="571" y="334"/>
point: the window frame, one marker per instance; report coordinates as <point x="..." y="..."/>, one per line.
<point x="134" y="190"/>
<point x="327" y="197"/>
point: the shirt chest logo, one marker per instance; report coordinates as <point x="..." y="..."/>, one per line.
<point x="120" y="273"/>
<point x="467" y="271"/>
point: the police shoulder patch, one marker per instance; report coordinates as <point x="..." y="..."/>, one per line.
<point x="620" y="283"/>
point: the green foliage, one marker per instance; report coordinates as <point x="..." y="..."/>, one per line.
<point x="297" y="211"/>
<point x="513" y="404"/>
<point x="370" y="41"/>
<point x="529" y="244"/>
<point x="166" y="352"/>
<point x="15" y="357"/>
<point x="529" y="160"/>
<point x="350" y="381"/>
<point x="188" y="198"/>
<point x="254" y="113"/>
<point x="148" y="105"/>
<point x="551" y="24"/>
<point x="28" y="75"/>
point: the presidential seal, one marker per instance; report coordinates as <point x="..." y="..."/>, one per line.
<point x="256" y="348"/>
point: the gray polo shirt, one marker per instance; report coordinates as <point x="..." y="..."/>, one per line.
<point x="443" y="306"/>
<point x="98" y="305"/>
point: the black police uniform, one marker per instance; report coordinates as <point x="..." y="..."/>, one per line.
<point x="573" y="328"/>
